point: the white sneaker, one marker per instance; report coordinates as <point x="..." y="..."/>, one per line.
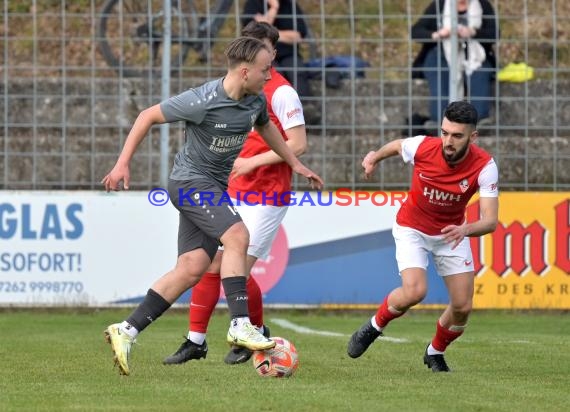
<point x="249" y="337"/>
<point x="121" y="344"/>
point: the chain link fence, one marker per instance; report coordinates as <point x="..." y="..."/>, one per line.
<point x="67" y="106"/>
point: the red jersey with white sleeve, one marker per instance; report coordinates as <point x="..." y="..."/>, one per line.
<point x="439" y="192"/>
<point x="269" y="184"/>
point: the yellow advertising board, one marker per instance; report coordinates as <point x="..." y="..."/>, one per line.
<point x="525" y="263"/>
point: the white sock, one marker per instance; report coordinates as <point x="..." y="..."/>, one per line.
<point x="238" y="322"/>
<point x="375" y="325"/>
<point x="197" y="337"/>
<point x="129" y="329"/>
<point x="432" y="351"/>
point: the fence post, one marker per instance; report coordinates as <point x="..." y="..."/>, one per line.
<point x="453" y="75"/>
<point x="165" y="92"/>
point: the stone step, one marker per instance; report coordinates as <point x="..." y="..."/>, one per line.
<point x="530" y="139"/>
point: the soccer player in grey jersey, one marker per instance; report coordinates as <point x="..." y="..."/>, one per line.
<point x="218" y="116"/>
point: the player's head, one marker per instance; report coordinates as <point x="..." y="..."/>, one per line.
<point x="461" y="112"/>
<point x="262" y="31"/>
<point x="458" y="130"/>
<point x="249" y="59"/>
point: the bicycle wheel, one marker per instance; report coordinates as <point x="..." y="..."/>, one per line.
<point x="130" y="34"/>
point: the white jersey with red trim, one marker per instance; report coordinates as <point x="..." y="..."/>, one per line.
<point x="439" y="193"/>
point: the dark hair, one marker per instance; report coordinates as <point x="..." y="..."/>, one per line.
<point x="243" y="50"/>
<point x="261" y="30"/>
<point x="461" y="112"/>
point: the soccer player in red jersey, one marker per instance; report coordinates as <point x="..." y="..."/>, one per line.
<point x="266" y="179"/>
<point x="447" y="172"/>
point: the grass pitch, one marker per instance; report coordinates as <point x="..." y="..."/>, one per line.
<point x="58" y="361"/>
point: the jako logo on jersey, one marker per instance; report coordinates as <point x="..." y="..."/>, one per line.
<point x="220" y="125"/>
<point x="464" y="185"/>
<point x="434" y="194"/>
<point x="293" y="112"/>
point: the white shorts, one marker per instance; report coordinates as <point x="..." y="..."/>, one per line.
<point x="262" y="222"/>
<point x="413" y="246"/>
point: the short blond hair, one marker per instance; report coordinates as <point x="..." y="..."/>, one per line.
<point x="243" y="50"/>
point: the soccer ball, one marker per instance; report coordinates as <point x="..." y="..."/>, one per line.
<point x="279" y="362"/>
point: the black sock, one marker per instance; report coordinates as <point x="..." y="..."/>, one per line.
<point x="236" y="296"/>
<point x="148" y="311"/>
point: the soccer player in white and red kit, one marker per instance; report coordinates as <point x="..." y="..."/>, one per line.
<point x="448" y="171"/>
<point x="259" y="186"/>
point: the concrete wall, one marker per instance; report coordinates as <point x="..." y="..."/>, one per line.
<point x="78" y="136"/>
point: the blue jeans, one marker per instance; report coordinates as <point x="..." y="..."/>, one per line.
<point x="478" y="90"/>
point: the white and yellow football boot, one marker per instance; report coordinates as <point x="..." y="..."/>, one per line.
<point x="121" y="344"/>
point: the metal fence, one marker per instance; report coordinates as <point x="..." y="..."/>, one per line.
<point x="66" y="110"/>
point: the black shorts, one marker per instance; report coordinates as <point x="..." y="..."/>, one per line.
<point x="205" y="214"/>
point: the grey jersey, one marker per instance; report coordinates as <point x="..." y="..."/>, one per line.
<point x="216" y="127"/>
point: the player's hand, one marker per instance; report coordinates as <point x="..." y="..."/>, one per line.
<point x="314" y="179"/>
<point x="243" y="166"/>
<point x="369" y="164"/>
<point x="116" y="175"/>
<point x="454" y="234"/>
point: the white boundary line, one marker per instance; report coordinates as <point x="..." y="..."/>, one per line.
<point x="284" y="323"/>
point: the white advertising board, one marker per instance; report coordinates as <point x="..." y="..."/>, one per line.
<point x="94" y="248"/>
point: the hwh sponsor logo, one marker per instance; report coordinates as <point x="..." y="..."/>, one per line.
<point x="434" y="194"/>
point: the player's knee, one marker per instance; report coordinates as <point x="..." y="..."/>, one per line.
<point x="462" y="309"/>
<point x="236" y="237"/>
<point x="189" y="268"/>
<point x="186" y="276"/>
<point x="415" y="293"/>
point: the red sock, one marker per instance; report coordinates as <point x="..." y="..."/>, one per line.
<point x="205" y="296"/>
<point x="443" y="337"/>
<point x="254" y="302"/>
<point x="384" y="316"/>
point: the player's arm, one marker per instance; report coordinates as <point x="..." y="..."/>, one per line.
<point x="287" y="109"/>
<point x="296" y="141"/>
<point x="143" y="123"/>
<point x="488" y="202"/>
<point x="489" y="207"/>
<point x="273" y="138"/>
<point x="372" y="159"/>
